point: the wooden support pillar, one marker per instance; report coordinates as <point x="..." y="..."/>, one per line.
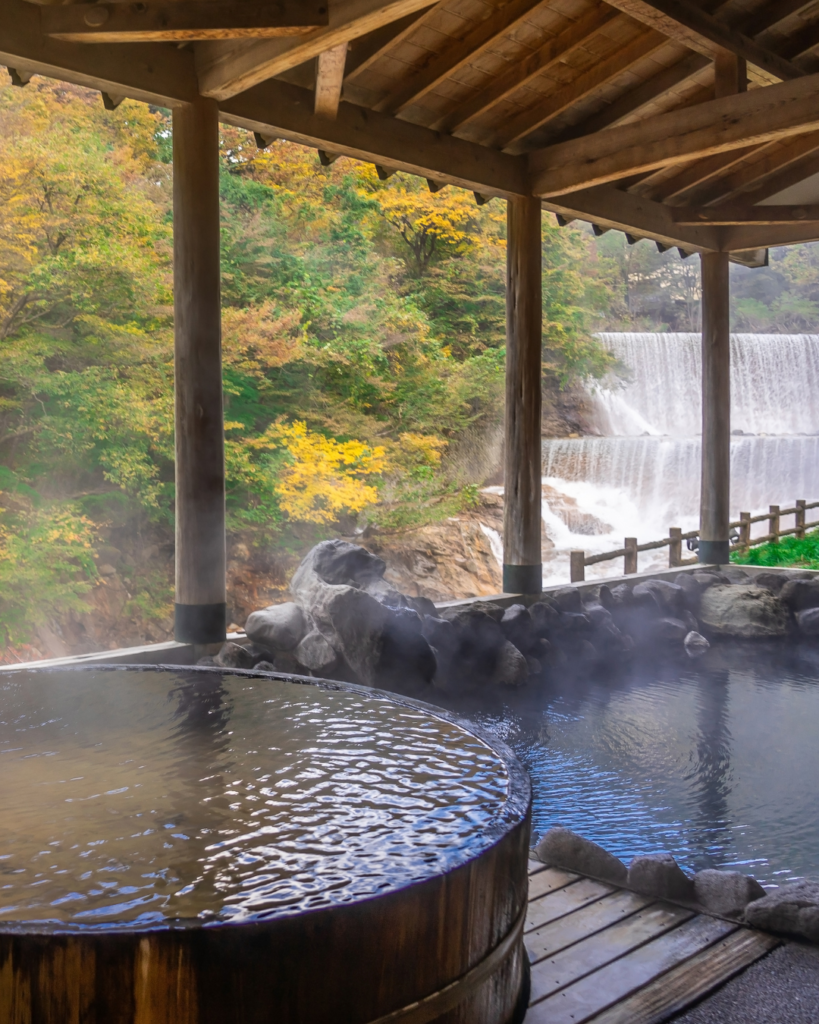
<point x="522" y="560"/>
<point x="200" y="606"/>
<point x="714" y="544"/>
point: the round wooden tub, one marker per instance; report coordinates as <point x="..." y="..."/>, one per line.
<point x="365" y="914"/>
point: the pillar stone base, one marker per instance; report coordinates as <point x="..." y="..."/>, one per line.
<point x="200" y="623"/>
<point x="523" y="579"/>
<point x="714" y="552"/>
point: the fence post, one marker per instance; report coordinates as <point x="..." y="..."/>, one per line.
<point x="773" y="523"/>
<point x="630" y="560"/>
<point x="800" y="519"/>
<point x="578" y="566"/>
<point x="675" y="547"/>
<point x="744" y="530"/>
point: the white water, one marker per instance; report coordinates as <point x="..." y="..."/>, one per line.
<point x="643" y="475"/>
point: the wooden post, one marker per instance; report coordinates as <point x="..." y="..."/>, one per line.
<point x="675" y="547"/>
<point x="744" y="530"/>
<point x="522" y="560"/>
<point x="714" y="544"/>
<point x="630" y="560"/>
<point x="200" y="606"/>
<point x="773" y="523"/>
<point x="577" y="566"/>
<point x="800" y="519"/>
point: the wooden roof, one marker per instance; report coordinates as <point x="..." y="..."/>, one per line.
<point x="608" y="111"/>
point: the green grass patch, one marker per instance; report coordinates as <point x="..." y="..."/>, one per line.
<point x="804" y="554"/>
<point x="410" y="515"/>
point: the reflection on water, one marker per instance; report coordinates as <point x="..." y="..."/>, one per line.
<point x="145" y="796"/>
<point x="715" y="761"/>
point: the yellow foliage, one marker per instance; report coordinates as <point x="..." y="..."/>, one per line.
<point x="324" y="477"/>
<point x="423" y="448"/>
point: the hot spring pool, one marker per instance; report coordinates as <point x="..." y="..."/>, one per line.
<point x="715" y="761"/>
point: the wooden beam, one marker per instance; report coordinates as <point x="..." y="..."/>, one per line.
<point x="483" y="35"/>
<point x="777" y="111"/>
<point x="550" y="53"/>
<point x="740" y="215"/>
<point x="599" y="75"/>
<point x="777" y="168"/>
<point x="278" y="108"/>
<point x="772" y="14"/>
<point x="686" y="23"/>
<point x="182" y="20"/>
<point x="608" y="208"/>
<point x="742" y="239"/>
<point x="364" y="51"/>
<point x="329" y="79"/>
<point x="662" y="188"/>
<point x="226" y="69"/>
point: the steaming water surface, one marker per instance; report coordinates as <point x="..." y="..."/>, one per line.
<point x="715" y="761"/>
<point x="142" y="796"/>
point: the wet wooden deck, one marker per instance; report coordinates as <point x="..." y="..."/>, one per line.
<point x="608" y="956"/>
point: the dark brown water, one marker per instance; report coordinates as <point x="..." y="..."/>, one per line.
<point x="143" y="796"/>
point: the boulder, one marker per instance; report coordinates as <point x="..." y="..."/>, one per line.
<point x="792" y="910"/>
<point x="706" y="579"/>
<point x="691" y="590"/>
<point x="695" y="644"/>
<point x="808" y="621"/>
<point x="659" y="875"/>
<point x="622" y="594"/>
<point x="461" y="614"/>
<point x="354" y="623"/>
<point x="562" y="848"/>
<point x="671" y="630"/>
<point x="725" y="893"/>
<point x="407" y="660"/>
<point x="545" y="616"/>
<point x="286" y="663"/>
<point x="235" y="656"/>
<point x="567" y="599"/>
<point x="316" y="653"/>
<point x="669" y="596"/>
<point x="518" y="628"/>
<point x="736" y="575"/>
<point x="279" y="627"/>
<point x="511" y="667"/>
<point x="800" y="594"/>
<point x="745" y="611"/>
<point x="773" y="581"/>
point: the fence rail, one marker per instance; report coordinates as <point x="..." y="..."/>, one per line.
<point x="741" y="540"/>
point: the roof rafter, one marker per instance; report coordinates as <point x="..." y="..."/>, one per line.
<point x="740" y="215"/>
<point x="732" y="122"/>
<point x="597" y="76"/>
<point x="226" y="69"/>
<point x="780" y="169"/>
<point x="686" y="23"/>
<point x="366" y="50"/>
<point x="478" y="39"/>
<point x="550" y="53"/>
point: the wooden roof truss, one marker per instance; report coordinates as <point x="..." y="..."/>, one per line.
<point x="691" y="122"/>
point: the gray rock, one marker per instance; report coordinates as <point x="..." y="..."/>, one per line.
<point x="264" y="666"/>
<point x="808" y="621"/>
<point x="315" y="652"/>
<point x="545" y="616"/>
<point x="660" y="875"/>
<point x="773" y="581"/>
<point x="736" y="575"/>
<point x="706" y="579"/>
<point x="695" y="644"/>
<point x="511" y="667"/>
<point x="791" y="910"/>
<point x="339" y="563"/>
<point x="800" y="594"/>
<point x="279" y="627"/>
<point x="234" y="656"/>
<point x="567" y="599"/>
<point x="562" y="848"/>
<point x="285" y="662"/>
<point x="726" y="893"/>
<point x="518" y="628"/>
<point x="669" y="596"/>
<point x="462" y="613"/>
<point x="744" y="611"/>
<point x="671" y="629"/>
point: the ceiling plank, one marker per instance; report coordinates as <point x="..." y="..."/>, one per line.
<point x="470" y="46"/>
<point x="182" y="21"/>
<point x="608" y="207"/>
<point x="278" y="108"/>
<point x="366" y="50"/>
<point x="732" y="122"/>
<point x="329" y="80"/>
<point x="551" y="52"/>
<point x="226" y="69"/>
<point x="740" y="215"/>
<point x="599" y="75"/>
<point x="686" y="23"/>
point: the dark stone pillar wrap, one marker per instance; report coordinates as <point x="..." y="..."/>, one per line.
<point x="522" y="579"/>
<point x="200" y="623"/>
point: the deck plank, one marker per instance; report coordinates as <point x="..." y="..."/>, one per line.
<point x="563" y="901"/>
<point x="690" y="981"/>
<point x="535" y="866"/>
<point x="551" y="938"/>
<point x="596" y="951"/>
<point x="599" y="990"/>
<point x="548" y="880"/>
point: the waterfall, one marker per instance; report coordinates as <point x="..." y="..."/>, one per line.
<point x="643" y="474"/>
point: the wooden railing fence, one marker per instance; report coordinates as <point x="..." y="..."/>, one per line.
<point x="741" y="540"/>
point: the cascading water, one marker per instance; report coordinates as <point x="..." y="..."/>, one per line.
<point x="642" y="475"/>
